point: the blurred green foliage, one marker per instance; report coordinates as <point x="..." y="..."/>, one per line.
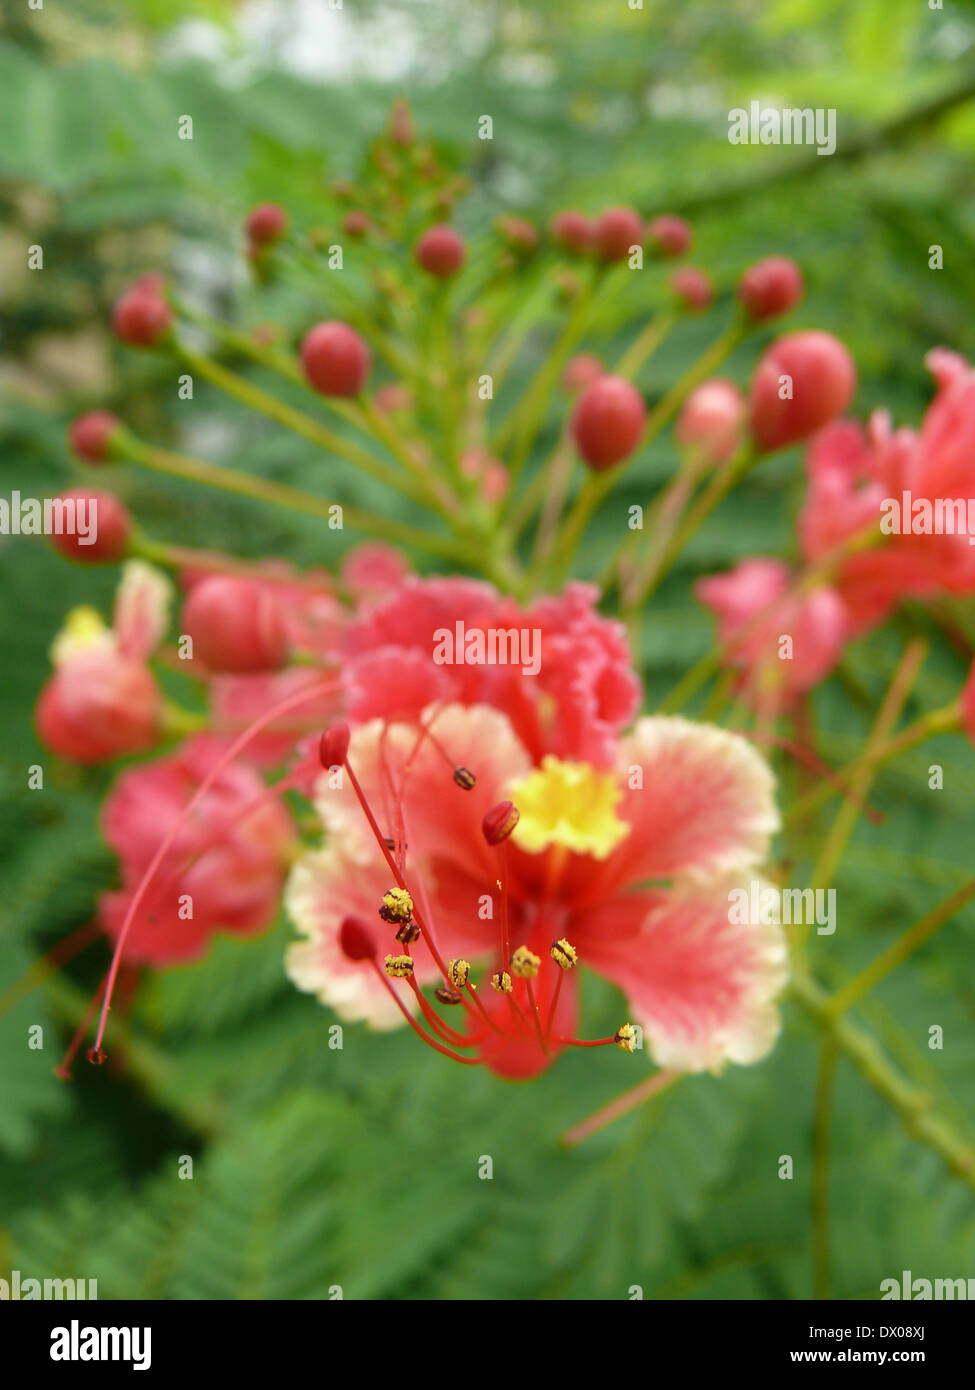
<point x="358" y="1167"/>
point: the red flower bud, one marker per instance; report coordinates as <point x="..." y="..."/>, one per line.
<point x="670" y="236"/>
<point x="518" y="233"/>
<point x="499" y="822"/>
<point x="441" y="250"/>
<point x="573" y="231"/>
<point x="581" y="372"/>
<point x="266" y="223"/>
<point x="356" y="939"/>
<point x="333" y="746"/>
<point x="692" y="287"/>
<point x="235" y="625"/>
<point x="336" y="360"/>
<point x="771" y="287"/>
<point x="616" y="230"/>
<point x="142" y="317"/>
<point x="355" y="223"/>
<point x="712" y="420"/>
<point x="608" y="421"/>
<point x="802" y="381"/>
<point x="90" y="435"/>
<point x="97" y="530"/>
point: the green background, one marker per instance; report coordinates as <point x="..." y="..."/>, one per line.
<point x="313" y="1167"/>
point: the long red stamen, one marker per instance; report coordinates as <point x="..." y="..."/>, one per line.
<point x="431" y="1042"/>
<point x="63" y="1072"/>
<point x="438" y="1024"/>
<point x="536" y="1018"/>
<point x="239" y="744"/>
<point x="555" y="1000"/>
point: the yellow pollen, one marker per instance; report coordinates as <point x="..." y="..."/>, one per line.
<point x="399" y="966"/>
<point x="564" y="953"/>
<point x="84" y="630"/>
<point x="525" y="963"/>
<point x="571" y="805"/>
<point x="501" y="982"/>
<point x="458" y="972"/>
<point x="397" y="905"/>
<point x="626" y="1037"/>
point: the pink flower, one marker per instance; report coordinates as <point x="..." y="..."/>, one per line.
<point x="711" y="421"/>
<point x="102" y="701"/>
<point x="629" y="868"/>
<point x="782" y="642"/>
<point x="583" y="692"/>
<point x="225" y="868"/>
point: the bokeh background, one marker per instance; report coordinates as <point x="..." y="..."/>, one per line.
<point x="358" y="1168"/>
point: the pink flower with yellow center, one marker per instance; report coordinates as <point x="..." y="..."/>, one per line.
<point x="494" y="883"/>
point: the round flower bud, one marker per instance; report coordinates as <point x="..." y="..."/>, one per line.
<point x="608" y="420"/>
<point x="236" y="626"/>
<point x="694" y="288"/>
<point x="712" y="420"/>
<point x="333" y="746"/>
<point x="616" y="231"/>
<point x="266" y="223"/>
<point x="670" y="236"/>
<point x="335" y="359"/>
<point x="802" y="381"/>
<point x="582" y="371"/>
<point x="771" y="287"/>
<point x="90" y="435"/>
<point x="573" y="231"/>
<point x="100" y="526"/>
<point x="142" y="317"/>
<point x="441" y="251"/>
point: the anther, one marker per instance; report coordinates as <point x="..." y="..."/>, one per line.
<point x="501" y="981"/>
<point x="564" y="954"/>
<point x="524" y="963"/>
<point x="333" y="746"/>
<point x="448" y="996"/>
<point x="97" y="1056"/>
<point x="397" y="906"/>
<point x="399" y="967"/>
<point x="499" y="822"/>
<point x="625" y="1037"/>
<point x="408" y="933"/>
<point x="458" y="972"/>
<point x="465" y="779"/>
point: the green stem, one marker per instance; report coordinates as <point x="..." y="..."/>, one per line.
<point x="901" y="949"/>
<point x="939" y="721"/>
<point x="296" y="420"/>
<point x="822" y="1120"/>
<point x="912" y="1106"/>
<point x="902" y="682"/>
<point x="280" y="495"/>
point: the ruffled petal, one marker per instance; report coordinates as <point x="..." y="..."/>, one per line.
<point x="705" y="803"/>
<point x="701" y="983"/>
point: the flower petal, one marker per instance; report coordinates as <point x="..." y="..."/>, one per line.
<point x="700" y="984"/>
<point x="706" y="803"/>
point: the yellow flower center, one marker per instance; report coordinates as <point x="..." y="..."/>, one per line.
<point x="570" y="805"/>
<point x="83" y="630"/>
